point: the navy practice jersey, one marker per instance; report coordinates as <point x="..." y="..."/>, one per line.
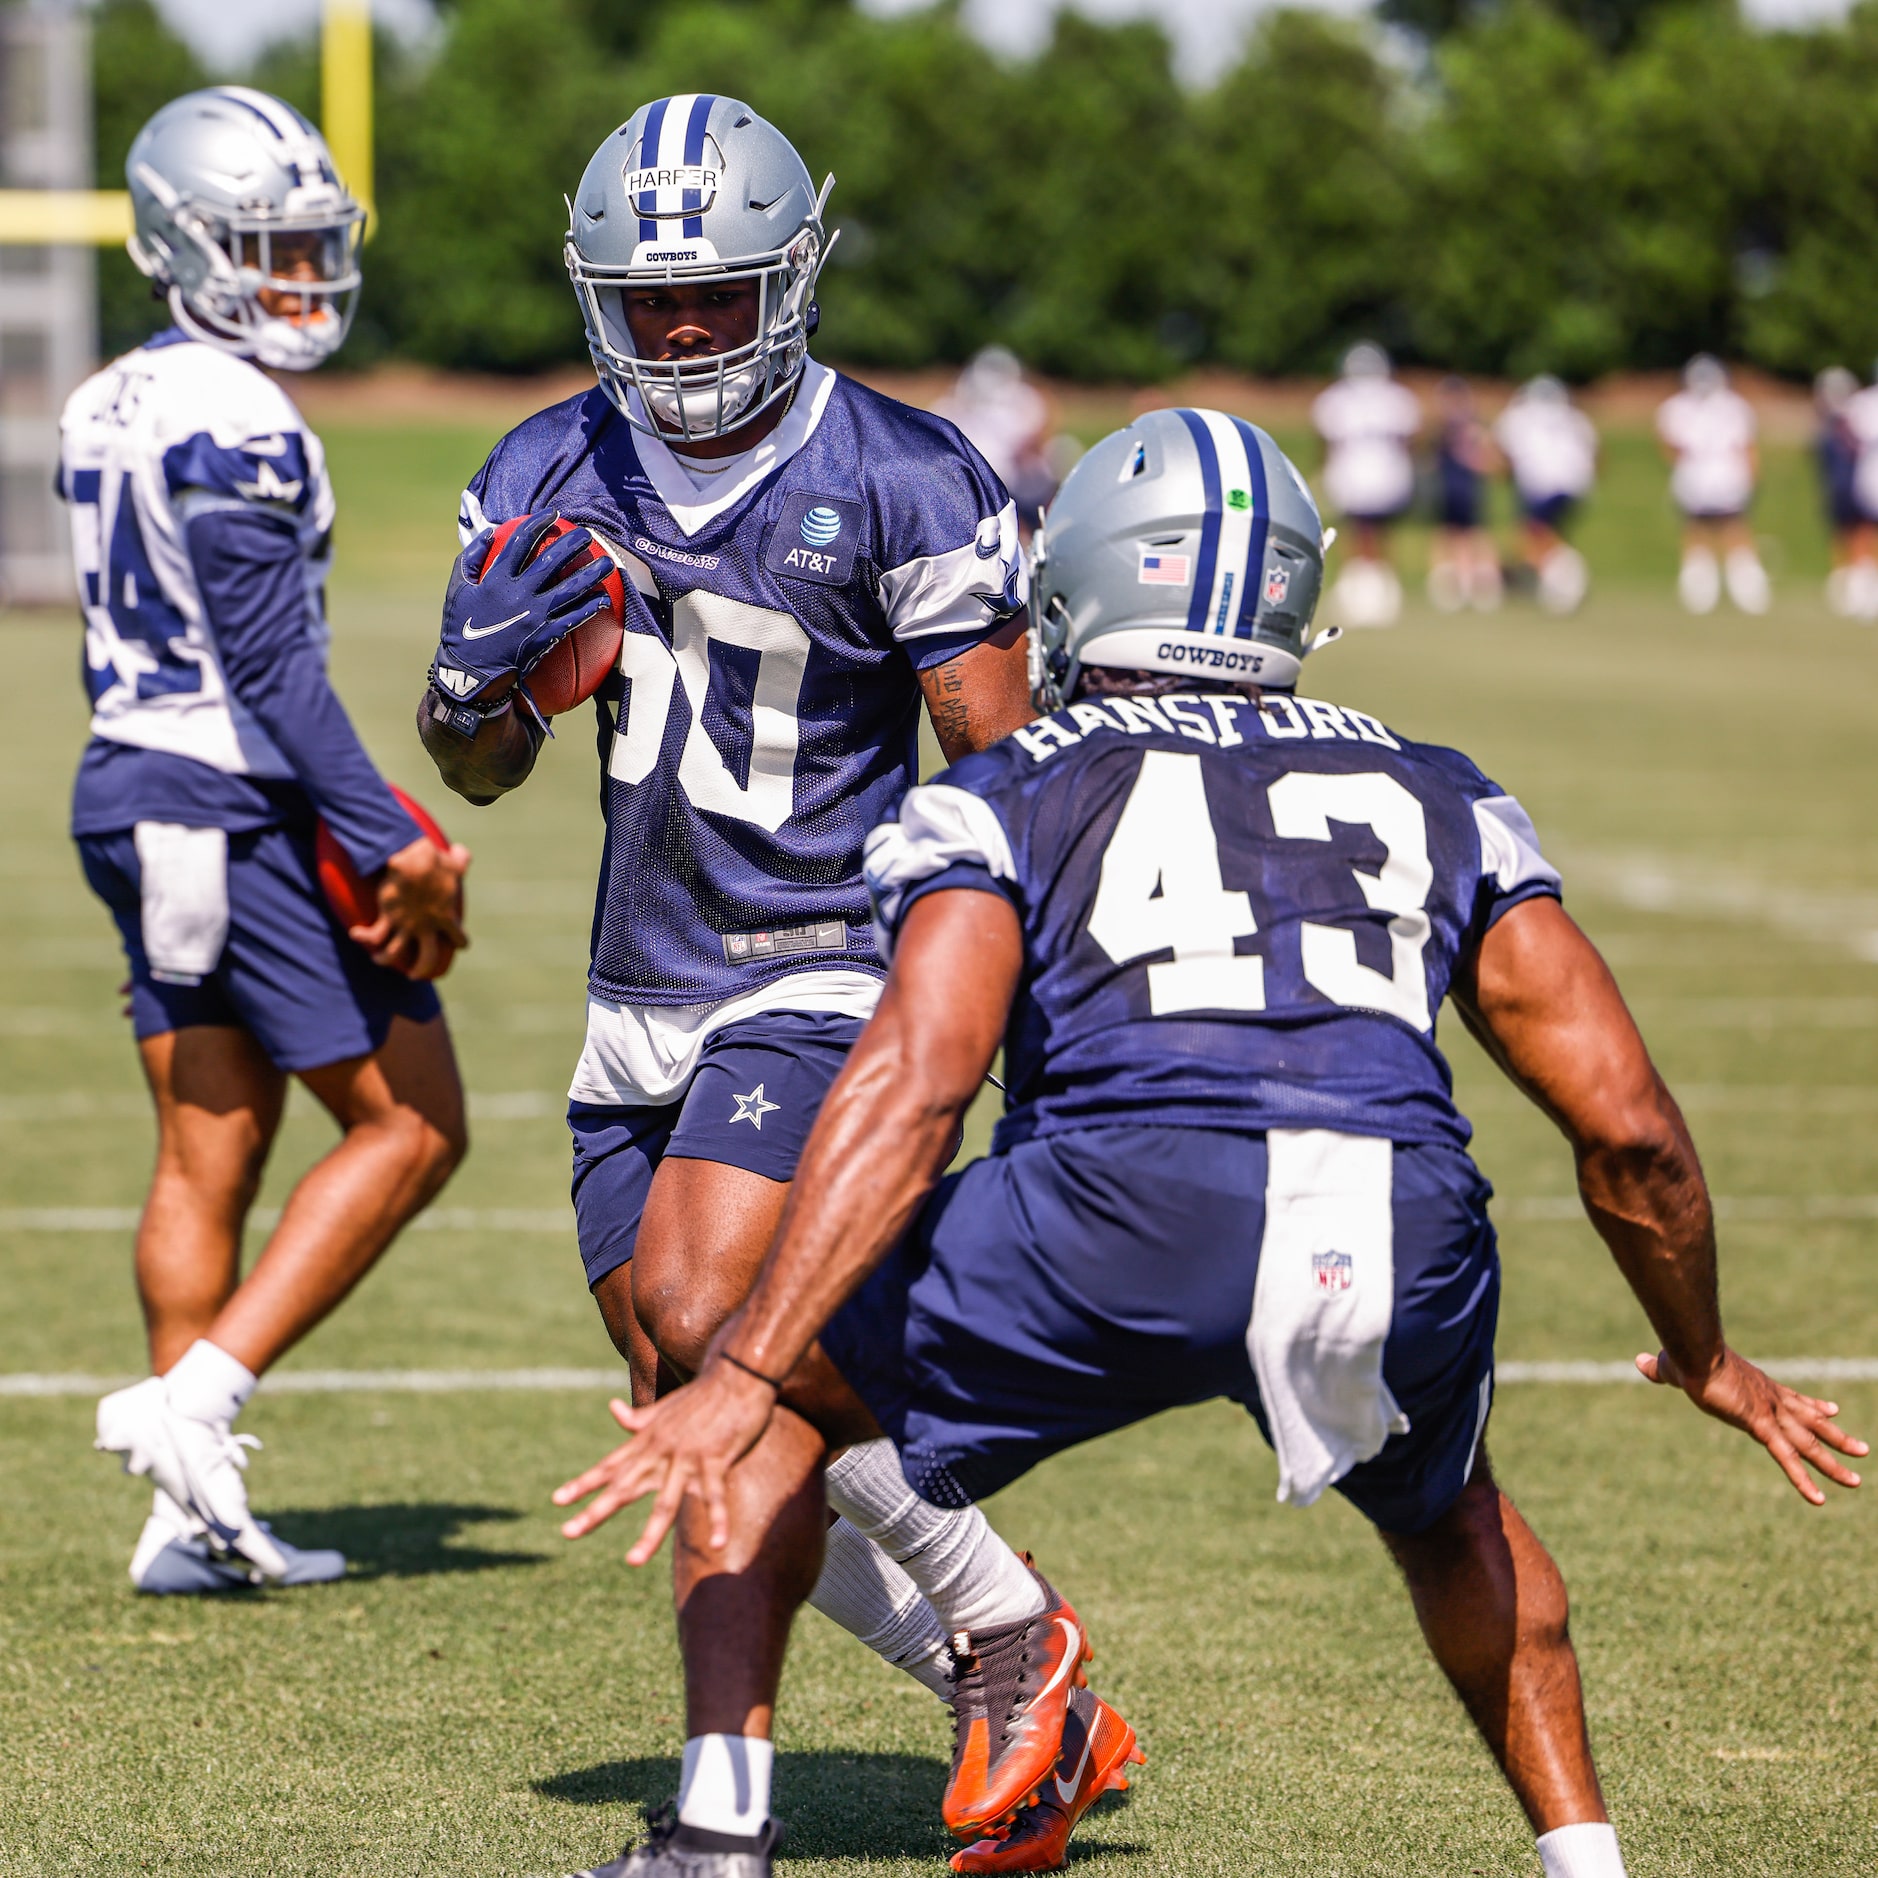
<point x="1236" y="914"/>
<point x="765" y="712"/>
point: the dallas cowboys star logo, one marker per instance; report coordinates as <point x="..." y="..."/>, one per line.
<point x="753" y="1107"/>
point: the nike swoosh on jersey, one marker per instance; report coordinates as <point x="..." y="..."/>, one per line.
<point x="483" y="632"/>
<point x="1066" y="1789"/>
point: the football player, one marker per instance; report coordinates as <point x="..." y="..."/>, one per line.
<point x="808" y="561"/>
<point x="1211" y="923"/>
<point x="201" y="525"/>
<point x="1707" y="434"/>
<point x="1551" y="452"/>
<point x="1368" y="422"/>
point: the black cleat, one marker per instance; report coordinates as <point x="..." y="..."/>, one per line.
<point x="675" y="1851"/>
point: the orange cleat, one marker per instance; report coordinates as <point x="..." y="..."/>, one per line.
<point x="1098" y="1747"/>
<point x="1011" y="1685"/>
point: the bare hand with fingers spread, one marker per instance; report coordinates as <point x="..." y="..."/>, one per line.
<point x="1797" y="1430"/>
<point x="683" y="1445"/>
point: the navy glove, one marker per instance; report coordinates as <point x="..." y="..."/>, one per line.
<point x="499" y="618"/>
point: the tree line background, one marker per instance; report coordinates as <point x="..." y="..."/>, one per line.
<point x="1500" y="186"/>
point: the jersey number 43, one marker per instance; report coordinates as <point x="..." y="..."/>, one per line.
<point x="1161" y="891"/>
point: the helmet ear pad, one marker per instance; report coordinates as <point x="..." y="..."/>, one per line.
<point x="812" y="320"/>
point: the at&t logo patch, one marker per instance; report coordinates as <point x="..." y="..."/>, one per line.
<point x="815" y="538"/>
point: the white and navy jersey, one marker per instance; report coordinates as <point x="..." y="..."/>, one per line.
<point x="201" y="533"/>
<point x="1236" y="915"/>
<point x="1712" y="436"/>
<point x="765" y="713"/>
<point x="1368" y="426"/>
<point x="1551" y="449"/>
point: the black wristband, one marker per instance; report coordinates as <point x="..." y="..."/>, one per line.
<point x="465" y="719"/>
<point x="739" y="1363"/>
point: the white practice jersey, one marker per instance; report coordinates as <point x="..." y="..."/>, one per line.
<point x="1712" y="434"/>
<point x="1861" y="419"/>
<point x="1368" y="426"/>
<point x="162" y="435"/>
<point x="1551" y="449"/>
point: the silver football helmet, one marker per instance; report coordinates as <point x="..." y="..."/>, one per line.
<point x="1185" y="543"/>
<point x="234" y="194"/>
<point x="698" y="188"/>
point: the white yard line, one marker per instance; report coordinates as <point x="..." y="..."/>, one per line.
<point x="1732" y="1209"/>
<point x="1687" y="888"/>
<point x="1794" y="1369"/>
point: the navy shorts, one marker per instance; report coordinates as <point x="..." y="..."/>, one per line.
<point x="1551" y="512"/>
<point x="751" y="1102"/>
<point x="287" y="974"/>
<point x="1458" y="501"/>
<point x="1083" y="1282"/>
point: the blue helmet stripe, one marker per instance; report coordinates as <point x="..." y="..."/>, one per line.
<point x="694" y="153"/>
<point x="1202" y="599"/>
<point x="1253" y="591"/>
<point x="649" y="139"/>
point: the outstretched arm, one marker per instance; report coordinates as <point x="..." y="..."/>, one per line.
<point x="887" y="1129"/>
<point x="981" y="695"/>
<point x="1544" y="1005"/>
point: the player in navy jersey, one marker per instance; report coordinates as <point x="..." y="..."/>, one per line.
<point x="201" y="525"/>
<point x="1210" y="923"/>
<point x="809" y="562"/>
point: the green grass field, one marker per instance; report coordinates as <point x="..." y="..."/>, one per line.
<point x="481" y="1698"/>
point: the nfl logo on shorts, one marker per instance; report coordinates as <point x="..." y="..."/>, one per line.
<point x="1331" y="1270"/>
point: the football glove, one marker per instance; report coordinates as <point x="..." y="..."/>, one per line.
<point x="500" y="618"/>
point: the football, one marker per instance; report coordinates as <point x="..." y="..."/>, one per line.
<point x="353" y="898"/>
<point x="571" y="671"/>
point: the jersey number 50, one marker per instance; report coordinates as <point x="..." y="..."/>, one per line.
<point x="700" y="620"/>
<point x="1161" y="892"/>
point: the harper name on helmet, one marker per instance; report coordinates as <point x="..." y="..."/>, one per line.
<point x="1186" y="543"/>
<point x="240" y="216"/>
<point x="696" y="189"/>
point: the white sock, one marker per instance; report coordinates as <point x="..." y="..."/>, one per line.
<point x="867" y="1594"/>
<point x="968" y="1574"/>
<point x="208" y="1384"/>
<point x="1588" y="1851"/>
<point x="725" y="1783"/>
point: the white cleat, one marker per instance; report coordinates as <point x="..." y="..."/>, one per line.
<point x="174" y="1559"/>
<point x="198" y="1464"/>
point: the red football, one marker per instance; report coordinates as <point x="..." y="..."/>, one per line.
<point x="353" y="898"/>
<point x="572" y="670"/>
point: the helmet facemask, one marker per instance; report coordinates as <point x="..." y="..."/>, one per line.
<point x="707" y="396"/>
<point x="231" y="259"/>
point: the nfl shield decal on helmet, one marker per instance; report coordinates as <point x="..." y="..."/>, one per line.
<point x="1333" y="1271"/>
<point x="1277" y="586"/>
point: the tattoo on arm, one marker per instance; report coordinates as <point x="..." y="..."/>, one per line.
<point x="949" y="706"/>
<point x="981" y="695"/>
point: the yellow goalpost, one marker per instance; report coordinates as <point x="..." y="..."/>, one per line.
<point x="101" y="217"/>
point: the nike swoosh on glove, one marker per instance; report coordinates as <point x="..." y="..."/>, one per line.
<point x="500" y="618"/>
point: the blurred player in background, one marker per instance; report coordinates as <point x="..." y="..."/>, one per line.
<point x="809" y="562"/>
<point x="1226" y="1170"/>
<point x="1368" y="424"/>
<point x="201" y="526"/>
<point x="1860" y="585"/>
<point x="1551" y="453"/>
<point x="1007" y="420"/>
<point x="1707" y="430"/>
<point x="1464" y="569"/>
<point x="1836" y="451"/>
